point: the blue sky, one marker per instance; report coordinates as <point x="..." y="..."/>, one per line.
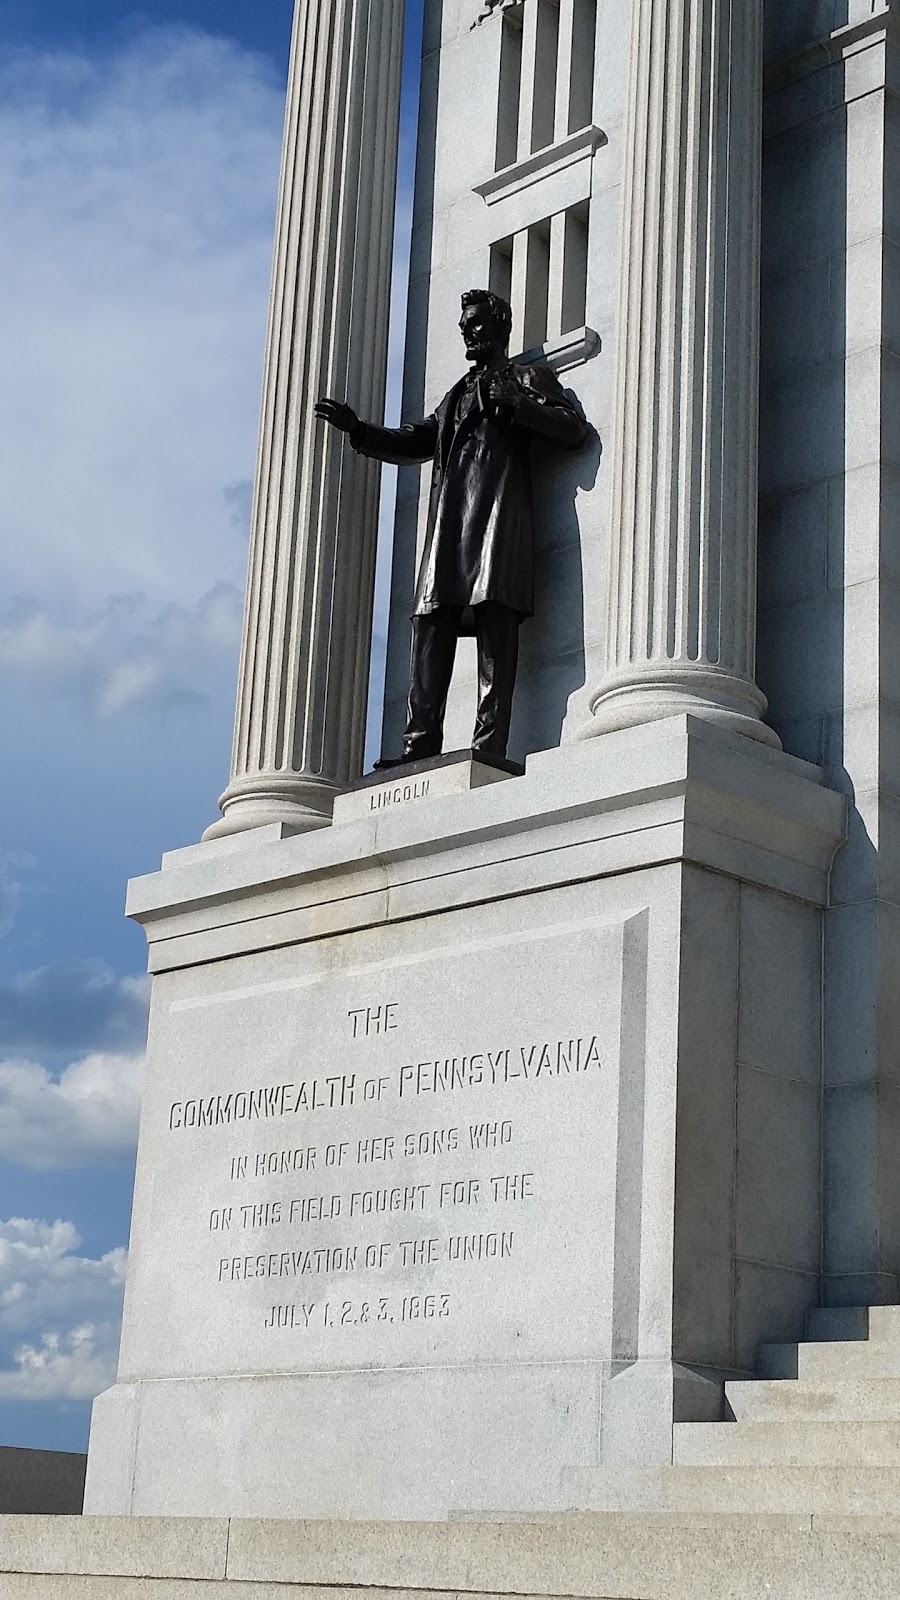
<point x="139" y="155"/>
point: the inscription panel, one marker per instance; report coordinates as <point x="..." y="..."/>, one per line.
<point x="456" y="777"/>
<point x="398" y="1164"/>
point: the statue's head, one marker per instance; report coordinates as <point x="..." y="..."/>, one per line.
<point x="485" y="324"/>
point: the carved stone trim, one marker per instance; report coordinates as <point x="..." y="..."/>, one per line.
<point x="492" y="8"/>
<point x="835" y="47"/>
<point x="544" y="163"/>
<point x="570" y="350"/>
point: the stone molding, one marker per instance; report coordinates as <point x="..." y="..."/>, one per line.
<point x="579" y="147"/>
<point x="681" y="791"/>
<point x="883" y="25"/>
<point x="851" y="64"/>
<point x="570" y="350"/>
<point x="493" y="8"/>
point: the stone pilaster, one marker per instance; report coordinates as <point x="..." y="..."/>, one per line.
<point x="301" y="706"/>
<point x="682" y="566"/>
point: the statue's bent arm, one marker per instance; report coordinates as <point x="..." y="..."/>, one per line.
<point x="407" y="446"/>
<point x="545" y="408"/>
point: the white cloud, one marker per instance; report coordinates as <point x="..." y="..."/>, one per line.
<point x="60" y="1313"/>
<point x="72" y="1005"/>
<point x="86" y="1111"/>
<point x="137" y="194"/>
<point x="77" y="1365"/>
<point x="11" y="887"/>
<point x="87" y="1115"/>
<point x="124" y="655"/>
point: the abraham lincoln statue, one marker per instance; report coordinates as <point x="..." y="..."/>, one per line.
<point x="477" y="568"/>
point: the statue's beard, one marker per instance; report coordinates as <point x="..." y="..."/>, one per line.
<point x="481" y="352"/>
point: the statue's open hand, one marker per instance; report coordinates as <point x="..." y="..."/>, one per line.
<point x="503" y="392"/>
<point x="339" y="415"/>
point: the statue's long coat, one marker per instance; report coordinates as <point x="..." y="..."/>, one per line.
<point x="480" y="540"/>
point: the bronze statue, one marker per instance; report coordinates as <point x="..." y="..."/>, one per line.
<point x="477" y="571"/>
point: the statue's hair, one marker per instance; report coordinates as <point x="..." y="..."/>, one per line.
<point x="501" y="308"/>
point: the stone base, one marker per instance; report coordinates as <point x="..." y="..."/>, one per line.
<point x="651" y="1556"/>
<point x="411" y="782"/>
<point x="408" y="1240"/>
<point x="418" y="1444"/>
<point x="799" y="1497"/>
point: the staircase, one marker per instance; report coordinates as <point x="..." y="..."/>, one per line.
<point x="798" y="1498"/>
<point x="817" y="1433"/>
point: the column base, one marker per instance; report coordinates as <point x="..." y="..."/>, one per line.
<point x="638" y="695"/>
<point x="294" y="799"/>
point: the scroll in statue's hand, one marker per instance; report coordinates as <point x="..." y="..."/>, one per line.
<point x="503" y="393"/>
<point x="337" y="414"/>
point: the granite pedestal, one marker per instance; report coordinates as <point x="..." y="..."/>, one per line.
<point x="456" y="1124"/>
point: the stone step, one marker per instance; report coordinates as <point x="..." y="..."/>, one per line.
<point x="735" y="1491"/>
<point x="833" y="1323"/>
<point x="865" y="1358"/>
<point x="783" y="1444"/>
<point x="662" y="1556"/>
<point x="835" y="1329"/>
<point x="873" y="1358"/>
<point x="853" y="1400"/>
<point x="777" y="1361"/>
<point x="884" y="1322"/>
<point x="838" y="1322"/>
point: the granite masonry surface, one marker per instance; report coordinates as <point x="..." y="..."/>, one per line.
<point x="647" y="1557"/>
<point x="829" y="468"/>
<point x="454" y="773"/>
<point x="439" y="1145"/>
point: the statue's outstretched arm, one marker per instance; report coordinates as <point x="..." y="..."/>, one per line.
<point x="412" y="444"/>
<point x="337" y="415"/>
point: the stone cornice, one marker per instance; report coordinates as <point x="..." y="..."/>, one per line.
<point x="825" y="53"/>
<point x="569" y="350"/>
<point x="673" y="791"/>
<point x="579" y="146"/>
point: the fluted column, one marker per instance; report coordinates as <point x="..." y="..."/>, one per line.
<point x="682" y="569"/>
<point x="301" y="707"/>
